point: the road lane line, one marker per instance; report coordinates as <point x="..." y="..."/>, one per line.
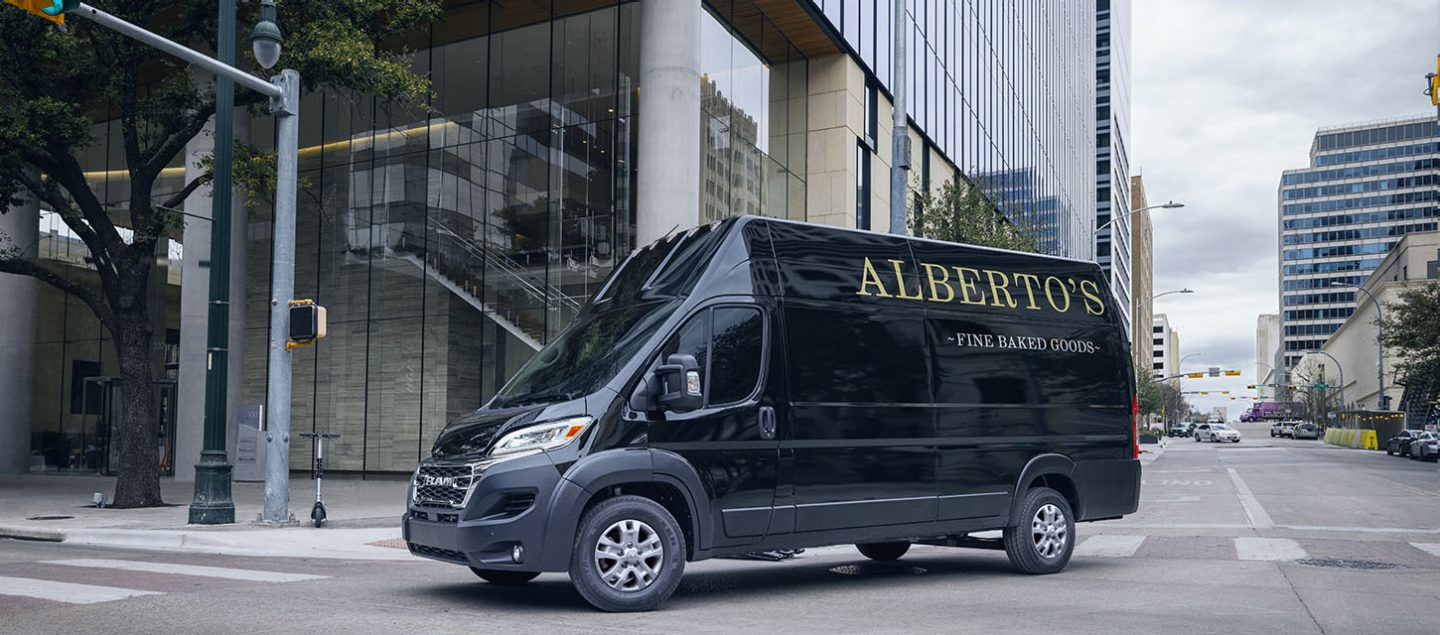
<point x="1271" y="549"/>
<point x="67" y="592"/>
<point x="1109" y="546"/>
<point x="1428" y="547"/>
<point x="250" y="575"/>
<point x="1259" y="519"/>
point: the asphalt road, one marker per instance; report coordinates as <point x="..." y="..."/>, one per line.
<point x="1267" y="535"/>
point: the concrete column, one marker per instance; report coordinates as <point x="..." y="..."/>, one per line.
<point x="668" y="158"/>
<point x="194" y="294"/>
<point x="19" y="229"/>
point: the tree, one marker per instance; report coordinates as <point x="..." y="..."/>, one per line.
<point x="961" y="213"/>
<point x="55" y="86"/>
<point x="1412" y="333"/>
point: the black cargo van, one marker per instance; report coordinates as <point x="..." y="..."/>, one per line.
<point x="758" y="384"/>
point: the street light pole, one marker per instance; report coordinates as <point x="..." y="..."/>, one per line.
<point x="1158" y="295"/>
<point x="1379" y="344"/>
<point x="899" y="135"/>
<point x="1339" y="369"/>
<point x="1167" y="205"/>
<point x="213" y="504"/>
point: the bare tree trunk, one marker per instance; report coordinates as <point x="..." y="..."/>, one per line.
<point x="138" y="484"/>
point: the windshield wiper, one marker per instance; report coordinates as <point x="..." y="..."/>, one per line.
<point x="533" y="397"/>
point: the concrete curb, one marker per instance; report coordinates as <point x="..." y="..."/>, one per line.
<point x="21" y="532"/>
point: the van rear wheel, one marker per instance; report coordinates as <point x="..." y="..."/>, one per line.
<point x="1045" y="537"/>
<point x="505" y="578"/>
<point x="629" y="555"/>
<point x="884" y="551"/>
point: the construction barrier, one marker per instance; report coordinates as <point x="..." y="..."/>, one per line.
<point x="1358" y="439"/>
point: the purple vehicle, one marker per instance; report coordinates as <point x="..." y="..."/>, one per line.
<point x="1265" y="411"/>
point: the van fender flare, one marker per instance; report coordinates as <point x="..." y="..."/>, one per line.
<point x="1042" y="465"/>
<point x="594" y="473"/>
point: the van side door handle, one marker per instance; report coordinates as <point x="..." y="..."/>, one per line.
<point x="767" y="423"/>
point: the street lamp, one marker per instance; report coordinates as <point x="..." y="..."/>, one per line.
<point x="1166" y="205"/>
<point x="1379" y="342"/>
<point x="266" y="40"/>
<point x="1152" y="298"/>
<point x="1339" y="369"/>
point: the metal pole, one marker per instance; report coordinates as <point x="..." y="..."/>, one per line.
<point x="213" y="504"/>
<point x="899" y="137"/>
<point x="185" y="53"/>
<point x="282" y="290"/>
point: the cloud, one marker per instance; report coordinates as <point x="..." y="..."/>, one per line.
<point x="1227" y="94"/>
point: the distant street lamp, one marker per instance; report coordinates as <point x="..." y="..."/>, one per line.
<point x="1152" y="298"/>
<point x="1379" y="343"/>
<point x="1166" y="205"/>
<point x="1338" y="368"/>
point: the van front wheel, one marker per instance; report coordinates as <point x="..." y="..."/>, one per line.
<point x="629" y="555"/>
<point x="1045" y="536"/>
<point x="884" y="551"/>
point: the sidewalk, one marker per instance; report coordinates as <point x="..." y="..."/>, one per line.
<point x="360" y="514"/>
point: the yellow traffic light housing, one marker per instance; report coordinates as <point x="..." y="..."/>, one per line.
<point x="37" y="7"/>
<point x="1232" y="373"/>
<point x="1196" y="375"/>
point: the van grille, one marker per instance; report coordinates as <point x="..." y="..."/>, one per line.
<point x="438" y="553"/>
<point x="443" y="485"/>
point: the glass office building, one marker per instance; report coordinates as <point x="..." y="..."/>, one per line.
<point x="450" y="240"/>
<point x="1112" y="159"/>
<point x="1005" y="91"/>
<point x="1367" y="185"/>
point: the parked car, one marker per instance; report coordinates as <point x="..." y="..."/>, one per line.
<point x="1306" y="430"/>
<point x="1179" y="431"/>
<point x="1216" y="432"/>
<point x="1400" y="443"/>
<point x="1425" y="447"/>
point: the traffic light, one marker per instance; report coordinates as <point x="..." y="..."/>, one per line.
<point x="1195" y="375"/>
<point x="52" y="10"/>
<point x="1232" y="373"/>
<point x="1250" y="386"/>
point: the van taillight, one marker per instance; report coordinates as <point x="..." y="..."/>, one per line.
<point x="1135" y="418"/>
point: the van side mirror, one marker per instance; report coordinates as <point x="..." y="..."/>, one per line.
<point x="678" y="385"/>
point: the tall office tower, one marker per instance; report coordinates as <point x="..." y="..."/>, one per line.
<point x="1112" y="163"/>
<point x="1366" y="186"/>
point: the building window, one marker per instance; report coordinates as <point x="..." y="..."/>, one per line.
<point x="862" y="185"/>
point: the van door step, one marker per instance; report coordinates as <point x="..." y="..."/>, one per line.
<point x="968" y="542"/>
<point x="775" y="555"/>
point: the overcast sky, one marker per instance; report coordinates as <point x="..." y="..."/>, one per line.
<point x="1225" y="95"/>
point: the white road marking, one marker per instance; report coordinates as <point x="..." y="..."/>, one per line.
<point x="1109" y="546"/>
<point x="1272" y="549"/>
<point x="1428" y="547"/>
<point x="1259" y="519"/>
<point x="1363" y="530"/>
<point x="1182" y="499"/>
<point x="67" y="592"/>
<point x="189" y="569"/>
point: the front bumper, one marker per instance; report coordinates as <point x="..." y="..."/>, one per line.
<point x="508" y="507"/>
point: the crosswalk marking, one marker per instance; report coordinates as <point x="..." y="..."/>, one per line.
<point x="1428" y="547"/>
<point x="250" y="575"/>
<point x="1109" y="546"/>
<point x="67" y="592"/>
<point x="1272" y="549"/>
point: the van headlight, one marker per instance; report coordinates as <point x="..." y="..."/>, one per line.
<point x="540" y="438"/>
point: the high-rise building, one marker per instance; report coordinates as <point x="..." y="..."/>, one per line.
<point x="1367" y="185"/>
<point x="451" y="242"/>
<point x="1142" y="273"/>
<point x="1267" y="354"/>
<point x="1113" y="246"/>
<point x="1164" y="347"/>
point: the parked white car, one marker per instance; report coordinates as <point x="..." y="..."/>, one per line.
<point x="1216" y="432"/>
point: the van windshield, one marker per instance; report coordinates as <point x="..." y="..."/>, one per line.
<point x="585" y="356"/>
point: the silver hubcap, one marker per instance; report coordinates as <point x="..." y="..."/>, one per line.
<point x="1049" y="531"/>
<point x="629" y="555"/>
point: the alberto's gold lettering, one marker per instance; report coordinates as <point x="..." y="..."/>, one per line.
<point x="1050" y="284"/>
<point x="1031" y="282"/>
<point x="900" y="280"/>
<point x="869" y="277"/>
<point x="1091" y="291"/>
<point x="942" y="282"/>
<point x="997" y="289"/>
<point x="968" y="293"/>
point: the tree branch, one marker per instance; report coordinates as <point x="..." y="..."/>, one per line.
<point x="22" y="267"/>
<point x="47" y="192"/>
<point x="179" y="197"/>
<point x="159" y="156"/>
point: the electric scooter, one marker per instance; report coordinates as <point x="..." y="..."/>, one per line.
<point x="317" y="513"/>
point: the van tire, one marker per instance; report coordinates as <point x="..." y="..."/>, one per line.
<point x="1038" y="511"/>
<point x="505" y="578"/>
<point x="884" y="551"/>
<point x="651" y="523"/>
